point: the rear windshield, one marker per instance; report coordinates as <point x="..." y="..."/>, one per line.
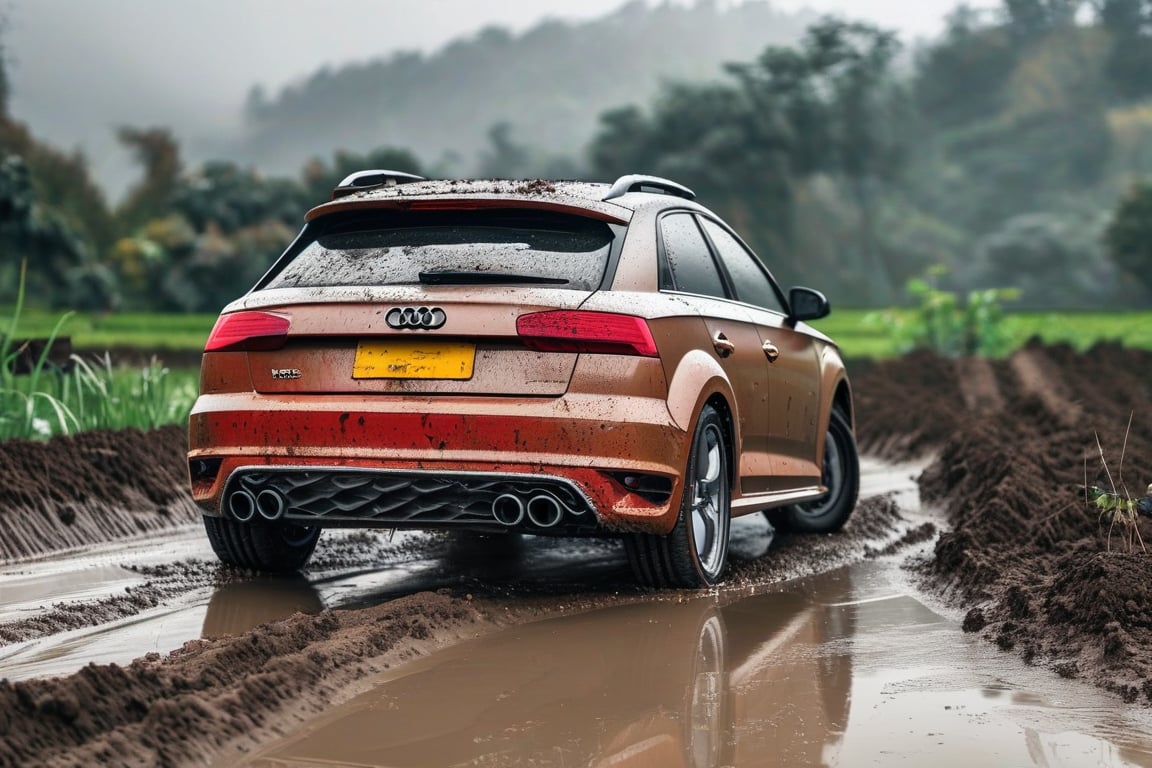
<point x="483" y="247"/>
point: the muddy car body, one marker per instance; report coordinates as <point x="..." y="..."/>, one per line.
<point x="552" y="358"/>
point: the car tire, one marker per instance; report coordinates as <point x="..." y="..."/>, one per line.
<point x="262" y="546"/>
<point x="841" y="475"/>
<point x="695" y="553"/>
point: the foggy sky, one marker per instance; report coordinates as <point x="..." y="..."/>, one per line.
<point x="79" y="68"/>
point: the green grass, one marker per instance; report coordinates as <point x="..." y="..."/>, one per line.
<point x="94" y="395"/>
<point x="858" y="336"/>
<point x="147" y="331"/>
<point x="48" y="401"/>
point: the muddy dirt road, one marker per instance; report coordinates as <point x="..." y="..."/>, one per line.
<point x="992" y="625"/>
<point x="116" y="602"/>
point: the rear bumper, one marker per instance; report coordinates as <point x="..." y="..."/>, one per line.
<point x="444" y="453"/>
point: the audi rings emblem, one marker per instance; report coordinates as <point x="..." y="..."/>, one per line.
<point x="416" y="318"/>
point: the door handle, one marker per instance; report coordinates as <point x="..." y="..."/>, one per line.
<point x="771" y="351"/>
<point x="722" y="345"/>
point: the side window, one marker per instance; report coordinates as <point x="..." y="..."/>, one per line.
<point x="693" y="269"/>
<point x="748" y="276"/>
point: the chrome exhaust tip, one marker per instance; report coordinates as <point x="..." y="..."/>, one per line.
<point x="270" y="504"/>
<point x="544" y="510"/>
<point x="242" y="505"/>
<point x="508" y="510"/>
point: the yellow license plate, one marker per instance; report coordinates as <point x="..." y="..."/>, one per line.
<point x="413" y="360"/>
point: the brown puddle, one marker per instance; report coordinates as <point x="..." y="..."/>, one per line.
<point x="840" y="669"/>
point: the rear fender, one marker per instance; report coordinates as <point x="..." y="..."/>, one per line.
<point x="697" y="378"/>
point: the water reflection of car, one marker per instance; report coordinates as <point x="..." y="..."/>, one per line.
<point x="656" y="684"/>
<point x="239" y="606"/>
<point x="553" y="358"/>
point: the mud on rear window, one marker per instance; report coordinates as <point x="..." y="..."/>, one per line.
<point x="394" y="248"/>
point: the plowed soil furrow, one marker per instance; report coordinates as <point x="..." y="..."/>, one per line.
<point x="978" y="386"/>
<point x="90" y="488"/>
<point x="1038" y="375"/>
<point x="906" y="407"/>
<point x="1041" y="572"/>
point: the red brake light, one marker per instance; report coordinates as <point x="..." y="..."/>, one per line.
<point x="248" y="331"/>
<point x="574" y="331"/>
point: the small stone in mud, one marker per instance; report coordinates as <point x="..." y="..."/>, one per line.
<point x="1017" y="603"/>
<point x="63" y="707"/>
<point x="974" y="621"/>
<point x="1004" y="638"/>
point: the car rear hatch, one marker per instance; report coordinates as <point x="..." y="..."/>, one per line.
<point x="420" y="303"/>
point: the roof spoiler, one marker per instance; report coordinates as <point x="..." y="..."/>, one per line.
<point x="361" y="180"/>
<point x="638" y="182"/>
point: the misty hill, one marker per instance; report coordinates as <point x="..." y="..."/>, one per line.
<point x="550" y="85"/>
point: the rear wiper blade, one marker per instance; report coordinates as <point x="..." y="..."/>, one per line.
<point x="464" y="277"/>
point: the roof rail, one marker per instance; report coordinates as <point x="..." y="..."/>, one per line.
<point x="638" y="182"/>
<point x="362" y="180"/>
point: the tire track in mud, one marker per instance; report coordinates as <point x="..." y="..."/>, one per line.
<point x="219" y="697"/>
<point x="164" y="583"/>
<point x="184" y="709"/>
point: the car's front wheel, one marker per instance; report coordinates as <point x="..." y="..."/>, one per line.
<point x="695" y="552"/>
<point x="840" y="475"/>
<point x="269" y="547"/>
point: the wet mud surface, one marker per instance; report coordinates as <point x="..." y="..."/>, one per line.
<point x="843" y="668"/>
<point x="1004" y="560"/>
<point x="1038" y="571"/>
<point x="94" y="487"/>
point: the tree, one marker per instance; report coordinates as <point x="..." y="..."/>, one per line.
<point x="622" y="143"/>
<point x="504" y="159"/>
<point x="16" y="195"/>
<point x="1053" y="260"/>
<point x="732" y="153"/>
<point x="1129" y="23"/>
<point x="224" y="195"/>
<point x="838" y="97"/>
<point x="159" y="154"/>
<point x="961" y="77"/>
<point x="1128" y="237"/>
<point x="320" y="178"/>
<point x="1030" y="20"/>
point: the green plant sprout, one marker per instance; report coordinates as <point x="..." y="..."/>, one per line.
<point x="942" y="322"/>
<point x="1116" y="507"/>
<point x="93" y="395"/>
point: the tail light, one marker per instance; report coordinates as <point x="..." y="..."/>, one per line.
<point x="575" y="331"/>
<point x="248" y="331"/>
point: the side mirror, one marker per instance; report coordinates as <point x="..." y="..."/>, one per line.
<point x="807" y="304"/>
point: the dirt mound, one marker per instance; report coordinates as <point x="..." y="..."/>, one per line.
<point x="92" y="487"/>
<point x="180" y="710"/>
<point x="1040" y="572"/>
